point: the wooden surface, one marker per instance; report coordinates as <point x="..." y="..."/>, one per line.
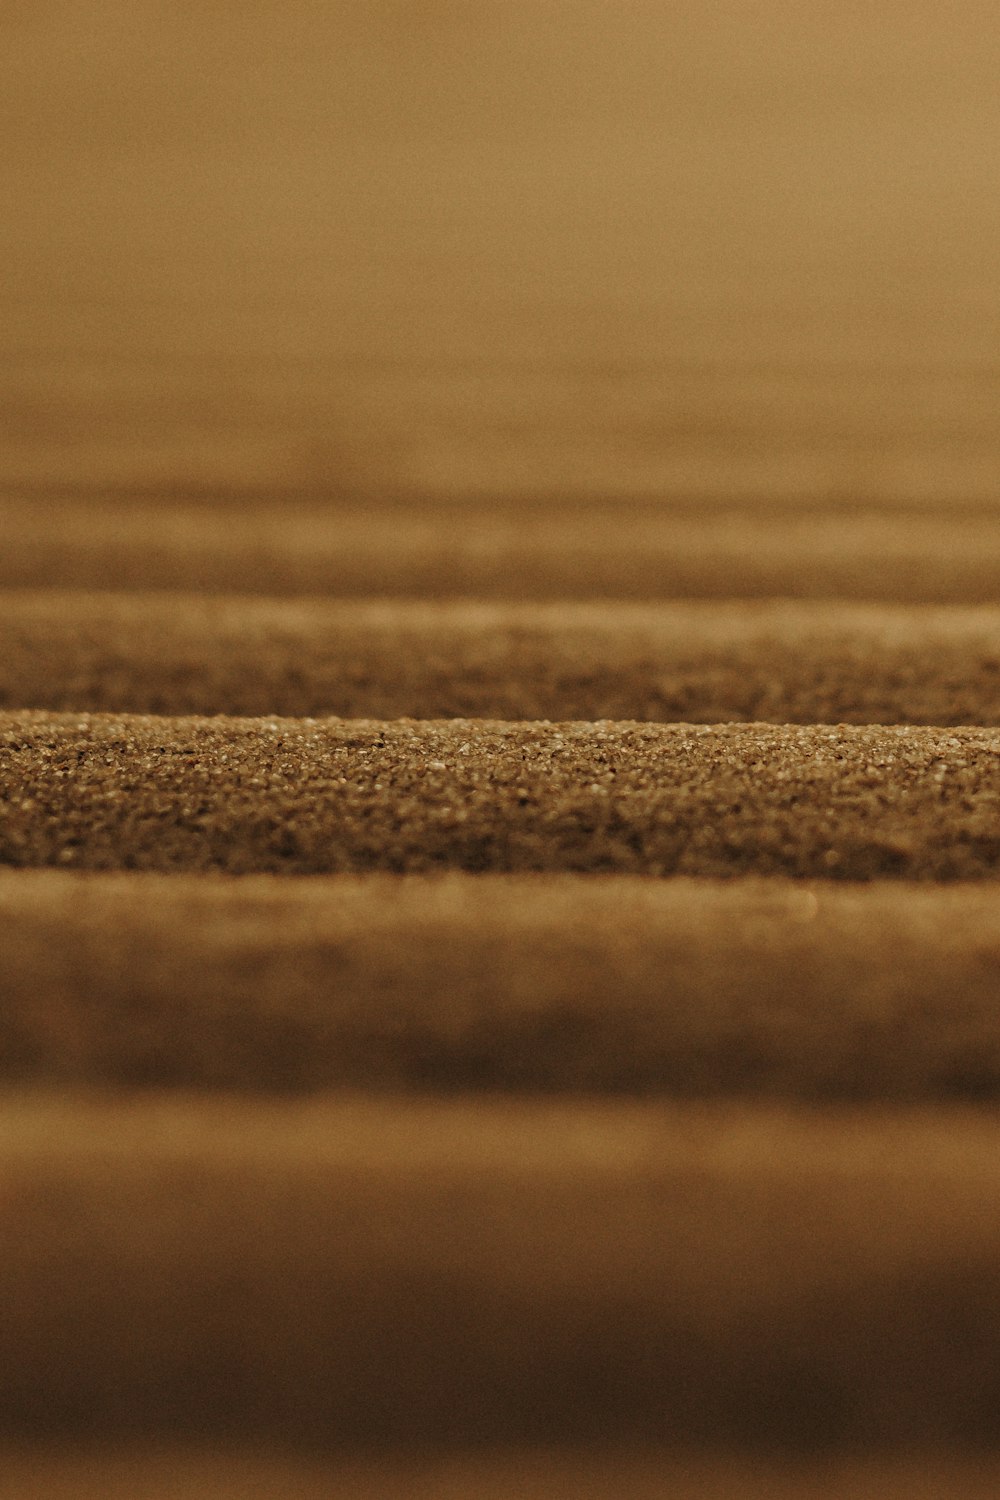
<point x="555" y="246"/>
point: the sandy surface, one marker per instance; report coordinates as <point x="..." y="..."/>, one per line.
<point x="317" y="796"/>
<point x="537" y="250"/>
<point x="425" y="547"/>
<point x="679" y="988"/>
<point x="499" y="712"/>
<point x="489" y="1270"/>
<point x="700" y="661"/>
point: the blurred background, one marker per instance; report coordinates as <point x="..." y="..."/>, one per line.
<point x="687" y="252"/>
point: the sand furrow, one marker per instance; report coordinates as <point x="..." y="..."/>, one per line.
<point x="698" y="661"/>
<point x="498" y="1271"/>
<point x="433" y="549"/>
<point x="312" y="796"/>
<point x="555" y="983"/>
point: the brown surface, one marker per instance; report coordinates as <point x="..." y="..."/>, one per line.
<point x="565" y="549"/>
<point x="526" y="250"/>
<point x="304" y="796"/>
<point x="679" y="988"/>
<point x="701" y="661"/>
<point x="422" y="1272"/>
<point x="310" y="309"/>
<point x="164" y="1472"/>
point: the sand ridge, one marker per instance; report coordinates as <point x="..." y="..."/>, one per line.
<point x="326" y="795"/>
<point x="608" y="1272"/>
<point x="748" y="989"/>
<point x="423" y="546"/>
<point x="700" y="661"/>
<point x="499" y="712"/>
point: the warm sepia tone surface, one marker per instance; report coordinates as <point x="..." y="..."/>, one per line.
<point x="554" y="246"/>
<point x="310" y="797"/>
<point x="499" y="728"/>
<point x="747" y="988"/>
<point x="699" y="661"/>
<point x="134" y="1472"/>
<point x="421" y="1272"/>
<point x="578" y="549"/>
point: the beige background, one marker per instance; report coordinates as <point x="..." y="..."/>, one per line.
<point x="717" y="250"/>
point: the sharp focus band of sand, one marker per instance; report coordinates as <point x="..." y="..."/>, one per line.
<point x="556" y="984"/>
<point x="428" y="548"/>
<point x="509" y="1271"/>
<point x="304" y="796"/>
<point x="699" y="661"/>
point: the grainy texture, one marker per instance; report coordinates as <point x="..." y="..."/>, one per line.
<point x="676" y="988"/>
<point x="698" y="661"/>
<point x="422" y="1273"/>
<point x="318" y="796"/>
<point x="495" y="378"/>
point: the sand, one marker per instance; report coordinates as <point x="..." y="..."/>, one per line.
<point x="330" y="795"/>
<point x="499" y="712"/>
<point x="422" y="1272"/>
<point x="749" y="989"/>
<point x="420" y="546"/>
<point x="587" y="1104"/>
<point x="704" y="661"/>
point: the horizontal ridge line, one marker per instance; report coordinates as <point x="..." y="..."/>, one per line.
<point x="749" y="988"/>
<point x="301" y="796"/>
<point x="779" y="661"/>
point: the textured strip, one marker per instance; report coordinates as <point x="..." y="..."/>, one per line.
<point x="553" y="983"/>
<point x="698" y="661"/>
<point x="320" y="796"/>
